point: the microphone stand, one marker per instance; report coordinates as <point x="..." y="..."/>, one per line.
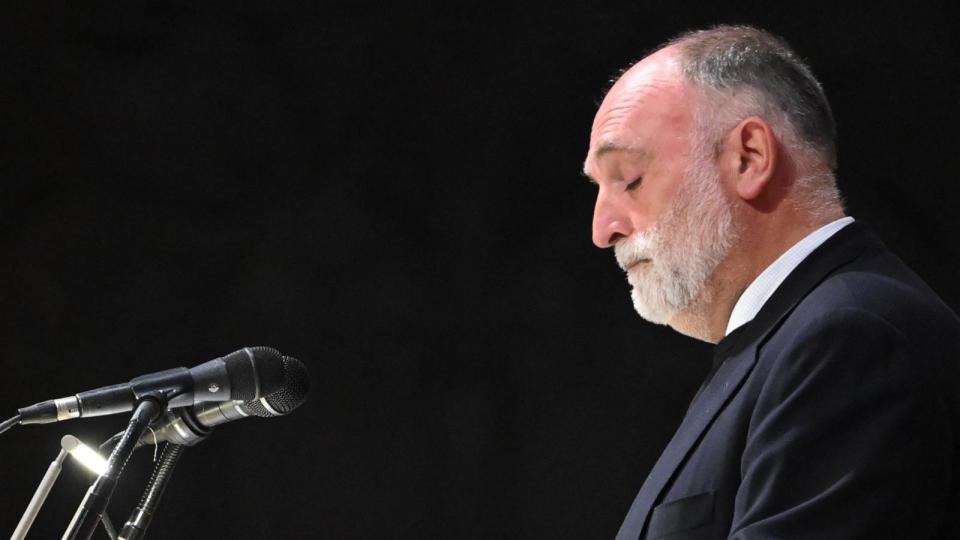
<point x="140" y="517"/>
<point x="94" y="504"/>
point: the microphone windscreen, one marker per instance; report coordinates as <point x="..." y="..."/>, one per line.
<point x="292" y="394"/>
<point x="254" y="372"/>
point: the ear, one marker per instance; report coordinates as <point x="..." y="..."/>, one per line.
<point x="753" y="151"/>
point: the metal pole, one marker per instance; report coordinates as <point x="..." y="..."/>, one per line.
<point x="39" y="496"/>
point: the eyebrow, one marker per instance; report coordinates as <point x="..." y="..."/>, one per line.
<point x="610" y="146"/>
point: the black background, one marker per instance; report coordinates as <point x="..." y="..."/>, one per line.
<point x="392" y="194"/>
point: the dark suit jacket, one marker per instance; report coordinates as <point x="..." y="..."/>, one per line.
<point x="833" y="414"/>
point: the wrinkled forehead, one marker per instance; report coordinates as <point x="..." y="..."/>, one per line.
<point x="650" y="99"/>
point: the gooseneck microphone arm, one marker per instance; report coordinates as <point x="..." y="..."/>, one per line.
<point x="94" y="504"/>
<point x="136" y="526"/>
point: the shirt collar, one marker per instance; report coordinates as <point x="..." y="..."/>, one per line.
<point x="759" y="291"/>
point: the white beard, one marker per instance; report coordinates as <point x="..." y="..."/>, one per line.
<point x="683" y="248"/>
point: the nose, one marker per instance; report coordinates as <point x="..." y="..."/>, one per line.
<point x="610" y="223"/>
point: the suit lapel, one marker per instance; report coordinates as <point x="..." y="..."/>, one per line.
<point x="738" y="354"/>
<point x="711" y="400"/>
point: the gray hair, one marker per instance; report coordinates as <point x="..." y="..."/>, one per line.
<point x="742" y="71"/>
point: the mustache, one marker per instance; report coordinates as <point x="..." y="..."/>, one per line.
<point x="639" y="246"/>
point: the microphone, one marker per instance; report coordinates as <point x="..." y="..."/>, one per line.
<point x="190" y="425"/>
<point x="244" y="375"/>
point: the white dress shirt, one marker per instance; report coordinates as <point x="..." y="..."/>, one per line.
<point x="760" y="290"/>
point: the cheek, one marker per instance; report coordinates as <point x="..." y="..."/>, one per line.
<point x="662" y="190"/>
<point x="642" y="211"/>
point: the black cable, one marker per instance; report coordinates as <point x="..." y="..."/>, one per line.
<point x="111" y="442"/>
<point x="7" y="424"/>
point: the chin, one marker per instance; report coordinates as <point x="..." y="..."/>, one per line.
<point x="655" y="312"/>
<point x="688" y="320"/>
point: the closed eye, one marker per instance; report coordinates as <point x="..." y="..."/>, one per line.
<point x="635" y="184"/>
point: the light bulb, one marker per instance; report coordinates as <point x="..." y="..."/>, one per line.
<point x="88" y="457"/>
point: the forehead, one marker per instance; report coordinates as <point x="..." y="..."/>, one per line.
<point x="649" y="106"/>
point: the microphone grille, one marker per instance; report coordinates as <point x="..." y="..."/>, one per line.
<point x="254" y="372"/>
<point x="292" y="394"/>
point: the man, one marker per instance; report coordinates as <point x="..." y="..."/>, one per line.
<point x="832" y="407"/>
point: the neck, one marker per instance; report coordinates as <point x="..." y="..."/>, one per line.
<point x="759" y="245"/>
<point x="706" y="317"/>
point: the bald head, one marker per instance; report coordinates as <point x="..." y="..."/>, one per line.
<point x="652" y="91"/>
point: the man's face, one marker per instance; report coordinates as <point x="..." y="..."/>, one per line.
<point x="683" y="247"/>
<point x="660" y="202"/>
